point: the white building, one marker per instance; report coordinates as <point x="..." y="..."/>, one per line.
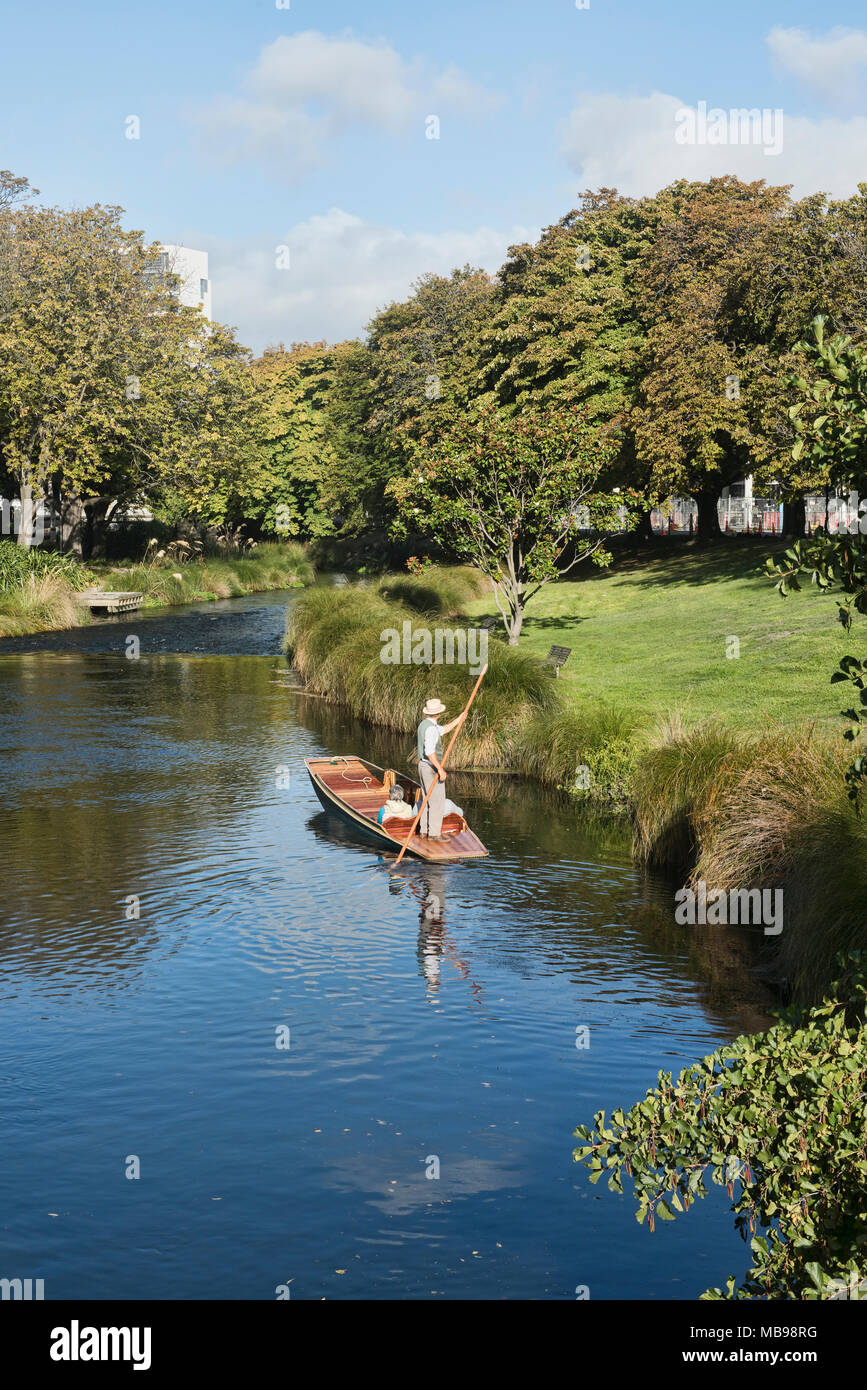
<point x="191" y="267"/>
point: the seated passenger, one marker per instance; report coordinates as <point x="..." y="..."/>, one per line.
<point x="449" y="807"/>
<point x="395" y="805"/>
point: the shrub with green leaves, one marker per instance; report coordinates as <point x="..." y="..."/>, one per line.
<point x="590" y="752"/>
<point x="19" y="563"/>
<point x="830" y="423"/>
<point x="778" y="1119"/>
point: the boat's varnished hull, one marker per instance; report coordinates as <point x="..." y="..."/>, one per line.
<point x="371" y="833"/>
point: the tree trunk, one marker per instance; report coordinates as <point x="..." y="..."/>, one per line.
<point x="645" y="529"/>
<point x="57" y="510"/>
<point x="514" y="626"/>
<point x="25" y="516"/>
<point x="795" y="518"/>
<point x="708" y="518"/>
<point x="72" y="525"/>
<point x="87" y="533"/>
<point x="98" y="513"/>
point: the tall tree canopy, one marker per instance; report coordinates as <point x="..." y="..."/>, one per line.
<point x="109" y="386"/>
<point x="670" y="324"/>
<point x="734" y="277"/>
<point x="299" y="460"/>
<point x="416" y="373"/>
<point x="568" y="331"/>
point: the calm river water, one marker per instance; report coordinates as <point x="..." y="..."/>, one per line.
<point x="173" y="786"/>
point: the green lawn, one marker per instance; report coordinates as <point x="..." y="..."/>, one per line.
<point x="651" y="631"/>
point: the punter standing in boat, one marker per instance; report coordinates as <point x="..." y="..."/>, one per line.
<point x="430" y="767"/>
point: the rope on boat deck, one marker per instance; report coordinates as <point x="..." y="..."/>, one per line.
<point x="365" y="780"/>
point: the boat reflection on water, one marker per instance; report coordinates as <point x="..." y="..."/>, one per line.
<point x="428" y="884"/>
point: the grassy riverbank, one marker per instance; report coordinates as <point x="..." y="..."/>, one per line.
<point x="38" y="589"/>
<point x="749" y="801"/>
<point x="519" y="721"/>
<point x="652" y="633"/>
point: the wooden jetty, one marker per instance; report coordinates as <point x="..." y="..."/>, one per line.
<point x="103" y="601"/>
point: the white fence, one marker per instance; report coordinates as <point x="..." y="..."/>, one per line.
<point x="835" y="514"/>
<point x="759" y="516"/>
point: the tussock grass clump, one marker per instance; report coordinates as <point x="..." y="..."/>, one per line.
<point x="763" y="812"/>
<point x="155" y="582"/>
<point x="272" y="565"/>
<point x="440" y="589"/>
<point x="600" y="739"/>
<point x="220" y="585"/>
<point x="277" y="565"/>
<point x="677" y="779"/>
<point x="38" y="603"/>
<point x="785" y="822"/>
<point x="335" y="639"/>
<point x="322" y="620"/>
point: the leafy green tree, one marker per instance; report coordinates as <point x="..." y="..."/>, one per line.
<point x="736" y="274"/>
<point x="423" y="353"/>
<point x="199" y="439"/>
<point x="567" y="333"/>
<point x="662" y="318"/>
<point x="415" y="374"/>
<point x="515" y="495"/>
<point x="13" y="189"/>
<point x="299" y="460"/>
<point x="694" y="419"/>
<point x="355" y="487"/>
<point x="777" y="1119"/>
<point x="109" y="387"/>
<point x="809" y="261"/>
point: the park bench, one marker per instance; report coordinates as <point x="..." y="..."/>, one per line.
<point x="557" y="657"/>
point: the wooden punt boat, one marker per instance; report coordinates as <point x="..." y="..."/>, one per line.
<point x="353" y="790"/>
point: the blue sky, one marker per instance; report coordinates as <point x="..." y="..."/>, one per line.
<point x="305" y="127"/>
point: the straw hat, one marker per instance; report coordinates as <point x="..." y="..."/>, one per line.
<point x="433" y="707"/>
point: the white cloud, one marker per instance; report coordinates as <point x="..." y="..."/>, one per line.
<point x="630" y="143"/>
<point x="361" y="81"/>
<point x="242" y="129"/>
<point x="305" y="91"/>
<point x="829" y="64"/>
<point x="453" y="91"/>
<point x="342" y="269"/>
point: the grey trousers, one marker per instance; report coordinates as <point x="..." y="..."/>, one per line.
<point x="431" y="822"/>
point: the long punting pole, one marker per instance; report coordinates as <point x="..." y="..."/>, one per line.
<point x="445" y="757"/>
